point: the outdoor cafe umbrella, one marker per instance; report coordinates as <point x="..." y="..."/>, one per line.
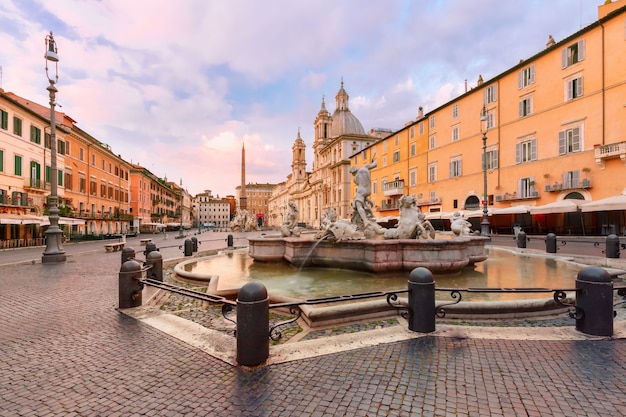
<point x="617" y="202"/>
<point x="562" y="206"/>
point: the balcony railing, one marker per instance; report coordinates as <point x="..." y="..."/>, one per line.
<point x="429" y="201"/>
<point x="514" y="196"/>
<point x="612" y="150"/>
<point x="569" y="185"/>
<point x="393" y="188"/>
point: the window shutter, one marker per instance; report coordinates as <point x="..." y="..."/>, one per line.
<point x="460" y="167"/>
<point x="581" y="49"/>
<point x="485" y="95"/>
<point x="518" y="153"/>
<point x="451" y="169"/>
<point x="576" y="139"/>
<point x="520" y="80"/>
<point x="521" y="108"/>
<point x="564" y="58"/>
<point x="579" y="87"/>
<point x="562" y="143"/>
<point x="532" y="74"/>
<point x="520" y="188"/>
<point x="569" y="90"/>
<point x="495" y="159"/>
<point x="576" y="178"/>
<point x="533" y="150"/>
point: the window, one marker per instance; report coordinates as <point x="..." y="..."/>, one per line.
<point x="413" y="149"/>
<point x="17" y="126"/>
<point x="421" y="128"/>
<point x="526" y="151"/>
<point x="455" y="111"/>
<point x="93" y="159"/>
<point x="1" y="160"/>
<point x="455" y="133"/>
<point x="573" y="88"/>
<point x="431" y="142"/>
<point x="573" y="54"/>
<point x="4" y="120"/>
<point x="81" y="154"/>
<point x="526" y="77"/>
<point x="413" y="177"/>
<point x="526" y="106"/>
<point x="526" y="187"/>
<point x="396" y="156"/>
<point x="61" y="147"/>
<point x="60" y="177"/>
<point x="82" y="184"/>
<point x="492" y="159"/>
<point x="397" y="140"/>
<point x="569" y="141"/>
<point x="384" y="160"/>
<point x="432" y="172"/>
<point x="17" y="165"/>
<point x="412" y="132"/>
<point x="455" y="168"/>
<point x="571" y="179"/>
<point x="35" y="134"/>
<point x="432" y="122"/>
<point x="490" y="94"/>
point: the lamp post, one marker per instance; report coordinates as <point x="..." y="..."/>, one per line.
<point x="180" y="232"/>
<point x="484" y="225"/>
<point x="54" y="235"/>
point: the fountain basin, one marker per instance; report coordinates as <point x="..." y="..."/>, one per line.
<point x="439" y="255"/>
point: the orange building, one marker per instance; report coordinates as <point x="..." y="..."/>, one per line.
<point x="555" y="129"/>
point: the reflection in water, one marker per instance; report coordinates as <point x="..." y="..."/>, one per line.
<point x="501" y="270"/>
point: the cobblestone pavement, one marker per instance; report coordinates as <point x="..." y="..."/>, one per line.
<point x="66" y="351"/>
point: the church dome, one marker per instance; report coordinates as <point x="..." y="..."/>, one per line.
<point x="344" y="122"/>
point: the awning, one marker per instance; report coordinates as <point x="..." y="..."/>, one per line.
<point x="62" y="220"/>
<point x="6" y="218"/>
<point x="617" y="202"/>
<point x="562" y="206"/>
<point x="519" y="209"/>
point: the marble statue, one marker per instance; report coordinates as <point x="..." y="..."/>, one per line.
<point x="290" y="225"/>
<point x="460" y="226"/>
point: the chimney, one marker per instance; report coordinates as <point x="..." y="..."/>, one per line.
<point x="550" y="42"/>
<point x="420" y="113"/>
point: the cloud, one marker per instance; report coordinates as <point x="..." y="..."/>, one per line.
<point x="180" y="86"/>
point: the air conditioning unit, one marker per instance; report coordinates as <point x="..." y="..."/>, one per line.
<point x="499" y="198"/>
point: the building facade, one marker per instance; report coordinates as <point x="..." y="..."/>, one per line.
<point x="212" y="212"/>
<point x="92" y="182"/>
<point x="553" y="127"/>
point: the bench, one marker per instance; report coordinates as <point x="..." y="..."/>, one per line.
<point x="112" y="247"/>
<point x="144" y="242"/>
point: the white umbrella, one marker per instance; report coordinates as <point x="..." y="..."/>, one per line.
<point x="520" y="209"/>
<point x="617" y="202"/>
<point x="562" y="206"/>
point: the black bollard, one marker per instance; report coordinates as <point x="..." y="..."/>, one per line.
<point x="551" y="243"/>
<point x="150" y="246"/>
<point x="521" y="239"/>
<point x="155" y="259"/>
<point x="594" y="302"/>
<point x="421" y="301"/>
<point x="253" y="343"/>
<point x="127" y="254"/>
<point x="129" y="285"/>
<point x="229" y="241"/>
<point x="188" y="250"/>
<point x="194" y="241"/>
<point x="612" y="246"/>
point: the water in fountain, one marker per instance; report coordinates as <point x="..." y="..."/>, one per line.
<point x="501" y="270"/>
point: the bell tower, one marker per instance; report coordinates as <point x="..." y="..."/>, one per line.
<point x="298" y="160"/>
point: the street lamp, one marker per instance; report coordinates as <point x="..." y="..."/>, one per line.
<point x="484" y="225"/>
<point x="54" y="235"/>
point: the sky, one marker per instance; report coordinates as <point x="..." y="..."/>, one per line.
<point x="179" y="86"/>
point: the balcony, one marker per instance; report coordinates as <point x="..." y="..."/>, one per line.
<point x="429" y="201"/>
<point x="33" y="185"/>
<point x="613" y="150"/>
<point x="515" y="197"/>
<point x="570" y="185"/>
<point x="393" y="188"/>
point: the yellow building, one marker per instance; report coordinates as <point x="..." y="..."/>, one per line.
<point x="555" y="129"/>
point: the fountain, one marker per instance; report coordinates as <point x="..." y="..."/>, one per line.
<point x="362" y="244"/>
